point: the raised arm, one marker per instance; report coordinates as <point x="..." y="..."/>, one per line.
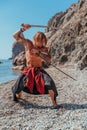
<point x="19" y="34"/>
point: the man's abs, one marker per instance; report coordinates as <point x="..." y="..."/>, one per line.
<point x="34" y="61"/>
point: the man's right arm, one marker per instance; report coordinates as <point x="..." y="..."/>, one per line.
<point x="19" y="34"/>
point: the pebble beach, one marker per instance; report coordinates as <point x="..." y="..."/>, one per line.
<point x="35" y="112"/>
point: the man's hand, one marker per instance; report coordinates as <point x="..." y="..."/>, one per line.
<point x="25" y="26"/>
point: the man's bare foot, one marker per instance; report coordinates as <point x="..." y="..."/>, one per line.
<point x="19" y="95"/>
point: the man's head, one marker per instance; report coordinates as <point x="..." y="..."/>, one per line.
<point x="40" y="39"/>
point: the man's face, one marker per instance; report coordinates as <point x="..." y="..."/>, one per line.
<point x="39" y="43"/>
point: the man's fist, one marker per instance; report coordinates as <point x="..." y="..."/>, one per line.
<point x="25" y="26"/>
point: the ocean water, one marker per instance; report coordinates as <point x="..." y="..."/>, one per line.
<point x="6" y="72"/>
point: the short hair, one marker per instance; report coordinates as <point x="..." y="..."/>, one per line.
<point x="40" y="36"/>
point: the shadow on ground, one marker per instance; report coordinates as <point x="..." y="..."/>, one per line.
<point x="67" y="106"/>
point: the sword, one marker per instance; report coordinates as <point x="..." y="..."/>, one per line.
<point x="40" y="26"/>
<point x="56" y="67"/>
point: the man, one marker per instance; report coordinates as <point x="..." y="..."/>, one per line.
<point x="34" y="79"/>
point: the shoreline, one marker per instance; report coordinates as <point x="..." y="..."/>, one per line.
<point x="7" y="81"/>
<point x="34" y="112"/>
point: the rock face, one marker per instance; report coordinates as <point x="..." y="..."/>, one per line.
<point x="17" y="49"/>
<point x="19" y="61"/>
<point x="67" y="35"/>
<point x="18" y="55"/>
<point x="1" y="62"/>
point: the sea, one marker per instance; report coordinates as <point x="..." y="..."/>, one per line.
<point x="6" y="72"/>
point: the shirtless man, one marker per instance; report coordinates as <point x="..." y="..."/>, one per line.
<point x="35" y="52"/>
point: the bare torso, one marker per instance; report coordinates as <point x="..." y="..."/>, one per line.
<point x="33" y="59"/>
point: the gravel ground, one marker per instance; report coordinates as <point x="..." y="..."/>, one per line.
<point x="35" y="112"/>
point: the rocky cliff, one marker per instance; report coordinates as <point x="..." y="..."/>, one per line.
<point x="67" y="35"/>
<point x="18" y="55"/>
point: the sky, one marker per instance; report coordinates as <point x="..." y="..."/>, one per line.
<point x="34" y="12"/>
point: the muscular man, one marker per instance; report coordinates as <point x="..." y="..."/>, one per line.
<point x="35" y="52"/>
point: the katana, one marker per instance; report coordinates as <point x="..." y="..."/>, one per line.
<point x="63" y="72"/>
<point x="38" y="26"/>
<point x="41" y="26"/>
<point x="57" y="68"/>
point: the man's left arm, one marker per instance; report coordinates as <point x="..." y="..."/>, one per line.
<point x="45" y="56"/>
